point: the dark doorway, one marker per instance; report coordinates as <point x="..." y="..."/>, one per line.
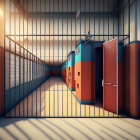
<point x="98" y="76"/>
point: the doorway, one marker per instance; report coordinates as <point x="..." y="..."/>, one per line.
<point x="98" y="76"/>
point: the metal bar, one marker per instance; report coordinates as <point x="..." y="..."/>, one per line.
<point x="129" y="20"/>
<point x="71" y="50"/>
<point x="22" y="48"/>
<point x="136" y="20"/>
<point x="62" y="56"/>
<point x="85" y="33"/>
<point x="45" y="59"/>
<point x="99" y="40"/>
<point x="94" y="39"/>
<point x="75" y="65"/>
<point x="15" y="58"/>
<point x="10" y="60"/>
<point x="94" y="35"/>
<point x="67" y="54"/>
<point x="19" y="64"/>
<point x="89" y="34"/>
<point x="53" y="64"/>
<point x="108" y="21"/>
<point x="36" y="60"/>
<point x="49" y="58"/>
<point x="27" y="61"/>
<point x="40" y="57"/>
<point x="80" y="40"/>
<point x="103" y="37"/>
<point x="58" y="64"/>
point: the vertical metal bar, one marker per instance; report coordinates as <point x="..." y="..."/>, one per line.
<point x="75" y="65"/>
<point x="32" y="59"/>
<point x="10" y="58"/>
<point x="113" y="23"/>
<point x="62" y="55"/>
<point x="58" y="64"/>
<point x="23" y="61"/>
<point x="4" y="57"/>
<point x="27" y="61"/>
<point x="123" y="20"/>
<point x="15" y="58"/>
<point x="113" y="30"/>
<point x="136" y="33"/>
<point x="99" y="40"/>
<point x="67" y="54"/>
<point x="40" y="57"/>
<point x="94" y="21"/>
<point x="19" y="64"/>
<point x="80" y="41"/>
<point x="103" y="27"/>
<point x="103" y="39"/>
<point x="85" y="33"/>
<point x="89" y="33"/>
<point x="53" y="64"/>
<point x="94" y="40"/>
<point x="36" y="62"/>
<point x="71" y="58"/>
<point x="129" y="20"/>
<point x="49" y="56"/>
<point x="108" y="33"/>
<point x="45" y="59"/>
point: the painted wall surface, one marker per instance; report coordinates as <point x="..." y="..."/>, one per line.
<point x="138" y="19"/>
<point x="59" y="47"/>
<point x="134" y="20"/>
<point x="2" y="24"/>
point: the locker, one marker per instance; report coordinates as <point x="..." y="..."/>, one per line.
<point x="132" y="76"/>
<point x="84" y="67"/>
<point x="71" y="70"/>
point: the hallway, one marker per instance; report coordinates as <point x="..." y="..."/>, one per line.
<point x="54" y="99"/>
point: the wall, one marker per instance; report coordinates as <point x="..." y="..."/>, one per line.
<point x="134" y="20"/>
<point x="41" y="23"/>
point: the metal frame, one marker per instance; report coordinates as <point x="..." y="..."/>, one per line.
<point x="36" y="64"/>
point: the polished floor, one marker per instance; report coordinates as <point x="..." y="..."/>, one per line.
<point x="54" y="99"/>
<point x="69" y="129"/>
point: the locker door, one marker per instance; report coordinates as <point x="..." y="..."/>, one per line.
<point x="110" y="76"/>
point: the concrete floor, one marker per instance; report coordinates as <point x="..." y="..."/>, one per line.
<point x="53" y="98"/>
<point x="69" y="128"/>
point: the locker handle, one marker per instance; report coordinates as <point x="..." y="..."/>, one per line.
<point x="107" y="83"/>
<point x="114" y="85"/>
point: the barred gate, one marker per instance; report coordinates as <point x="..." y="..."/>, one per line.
<point x="39" y="35"/>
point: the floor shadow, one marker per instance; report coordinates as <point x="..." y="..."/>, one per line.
<point x="130" y="123"/>
<point x="109" y="129"/>
<point x="86" y="126"/>
<point x="108" y="135"/>
<point x="42" y="131"/>
<point x="58" y="127"/>
<point x="138" y="138"/>
<point x="77" y="129"/>
<point x="62" y="138"/>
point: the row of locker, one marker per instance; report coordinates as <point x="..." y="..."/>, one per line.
<point x="95" y="75"/>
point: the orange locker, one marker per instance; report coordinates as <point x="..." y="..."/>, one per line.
<point x="71" y="70"/>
